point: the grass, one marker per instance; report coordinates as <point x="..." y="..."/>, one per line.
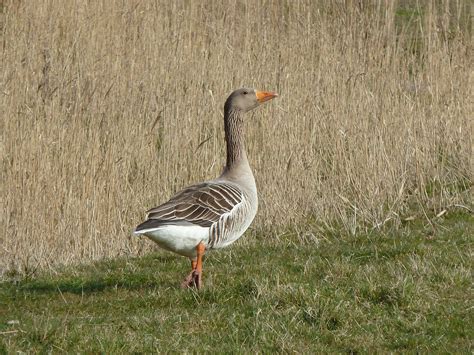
<point x="405" y="289"/>
<point x="109" y="107"/>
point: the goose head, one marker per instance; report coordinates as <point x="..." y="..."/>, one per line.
<point x="246" y="99"/>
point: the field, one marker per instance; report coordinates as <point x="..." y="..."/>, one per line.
<point x="403" y="291"/>
<point x="364" y="166"/>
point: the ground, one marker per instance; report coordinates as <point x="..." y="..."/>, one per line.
<point x="408" y="289"/>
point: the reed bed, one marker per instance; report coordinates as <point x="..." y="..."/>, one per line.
<point x="109" y="107"/>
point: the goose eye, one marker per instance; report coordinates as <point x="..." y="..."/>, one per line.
<point x="245" y="92"/>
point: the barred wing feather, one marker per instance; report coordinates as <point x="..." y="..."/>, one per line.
<point x="203" y="204"/>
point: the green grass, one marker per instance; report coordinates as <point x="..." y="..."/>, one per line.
<point x="405" y="290"/>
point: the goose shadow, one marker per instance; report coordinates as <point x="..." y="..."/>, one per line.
<point x="103" y="279"/>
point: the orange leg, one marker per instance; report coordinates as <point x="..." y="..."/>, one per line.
<point x="200" y="249"/>
<point x="194" y="278"/>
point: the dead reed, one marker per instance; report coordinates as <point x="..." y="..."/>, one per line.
<point x="108" y="107"/>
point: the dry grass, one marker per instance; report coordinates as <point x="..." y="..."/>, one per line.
<point x="109" y="107"/>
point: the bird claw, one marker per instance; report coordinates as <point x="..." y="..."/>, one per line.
<point x="192" y="280"/>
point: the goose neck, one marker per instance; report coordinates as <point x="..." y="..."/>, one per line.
<point x="234" y="136"/>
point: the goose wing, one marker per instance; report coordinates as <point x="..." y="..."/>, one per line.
<point x="202" y="204"/>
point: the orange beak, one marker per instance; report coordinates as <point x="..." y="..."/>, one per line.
<point x="263" y="96"/>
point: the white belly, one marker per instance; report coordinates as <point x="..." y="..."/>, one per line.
<point x="179" y="239"/>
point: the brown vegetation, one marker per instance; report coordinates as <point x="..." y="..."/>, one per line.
<point x="107" y="108"/>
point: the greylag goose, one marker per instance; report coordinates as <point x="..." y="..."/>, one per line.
<point x="215" y="213"/>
